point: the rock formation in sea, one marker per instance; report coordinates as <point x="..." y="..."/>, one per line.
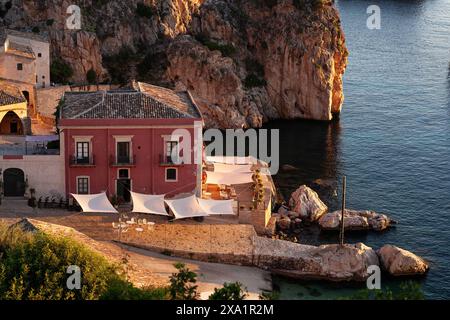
<point x="306" y="202"/>
<point x="355" y="220"/>
<point x="244" y="61"/>
<point x="401" y="262"/>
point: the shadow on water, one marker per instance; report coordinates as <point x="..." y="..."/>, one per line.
<point x="313" y="148"/>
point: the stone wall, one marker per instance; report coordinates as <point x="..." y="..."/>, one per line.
<point x="226" y="243"/>
<point x="45" y="173"/>
<point x="48" y="99"/>
<point x="239" y="244"/>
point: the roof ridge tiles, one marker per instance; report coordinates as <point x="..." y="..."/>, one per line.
<point x="126" y="104"/>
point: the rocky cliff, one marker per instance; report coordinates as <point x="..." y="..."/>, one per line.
<point x="244" y="61"/>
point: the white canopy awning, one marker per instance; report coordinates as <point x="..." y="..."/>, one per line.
<point x="229" y="178"/>
<point x="186" y="207"/>
<point x="216" y="207"/>
<point x="232" y="159"/>
<point x="241" y="168"/>
<point x="147" y="203"/>
<point x="97" y="203"/>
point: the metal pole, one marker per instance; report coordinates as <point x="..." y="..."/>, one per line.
<point x="341" y="235"/>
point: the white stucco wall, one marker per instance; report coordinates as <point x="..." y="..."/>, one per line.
<point x="8" y="68"/>
<point x="45" y="173"/>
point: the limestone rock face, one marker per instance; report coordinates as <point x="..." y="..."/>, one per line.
<point x="348" y="261"/>
<point x="245" y="62"/>
<point x="289" y="64"/>
<point x="81" y="50"/>
<point x="330" y="262"/>
<point x="355" y="220"/>
<point x="221" y="98"/>
<point x="400" y="262"/>
<point x="307" y="203"/>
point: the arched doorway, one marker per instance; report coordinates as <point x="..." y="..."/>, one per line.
<point x="11" y="124"/>
<point x="14" y="182"/>
<point x="26" y="94"/>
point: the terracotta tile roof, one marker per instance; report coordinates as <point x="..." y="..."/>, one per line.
<point x="10" y="95"/>
<point x="179" y="100"/>
<point x="127" y="104"/>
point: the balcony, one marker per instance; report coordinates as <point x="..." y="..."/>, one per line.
<point x="122" y="161"/>
<point x="82" y="162"/>
<point x="168" y="161"/>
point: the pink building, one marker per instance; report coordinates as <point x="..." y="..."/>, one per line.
<point x="117" y="141"/>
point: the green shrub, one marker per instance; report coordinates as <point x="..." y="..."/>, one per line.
<point x="91" y="76"/>
<point x="118" y="65"/>
<point x="50" y="22"/>
<point x="35" y="29"/>
<point x="229" y="291"/>
<point x="123" y="290"/>
<point x="252" y="81"/>
<point x="269" y="295"/>
<point x="407" y="291"/>
<point x="60" y="71"/>
<point x="144" y="10"/>
<point x="182" y="284"/>
<point x="253" y="66"/>
<point x="99" y="3"/>
<point x="33" y="266"/>
<point x="227" y="50"/>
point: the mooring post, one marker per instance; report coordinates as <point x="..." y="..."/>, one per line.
<point x="341" y="234"/>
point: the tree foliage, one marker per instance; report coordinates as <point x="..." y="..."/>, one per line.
<point x="144" y="10"/>
<point x="182" y="284"/>
<point x="91" y="76"/>
<point x="60" y="71"/>
<point x="229" y="291"/>
<point x="33" y="266"/>
<point x="407" y="291"/>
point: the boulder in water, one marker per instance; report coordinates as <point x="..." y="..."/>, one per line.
<point x="333" y="262"/>
<point x="401" y="262"/>
<point x="355" y="220"/>
<point x="307" y="204"/>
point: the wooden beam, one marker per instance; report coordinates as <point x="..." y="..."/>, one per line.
<point x="341" y="234"/>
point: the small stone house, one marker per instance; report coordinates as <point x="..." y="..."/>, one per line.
<point x="25" y="63"/>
